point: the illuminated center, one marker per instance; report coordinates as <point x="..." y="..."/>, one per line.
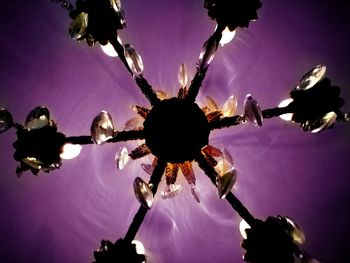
<point x="175" y="130"/>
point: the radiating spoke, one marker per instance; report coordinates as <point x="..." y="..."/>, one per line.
<point x="128" y="136"/>
<point x="226" y="122"/>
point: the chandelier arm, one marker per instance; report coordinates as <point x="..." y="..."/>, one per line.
<point x="275" y="112"/>
<point x="230" y="197"/>
<point x="118" y="47"/>
<point x="147" y="90"/>
<point x="79" y="140"/>
<point x="196" y="83"/>
<point x="226" y="122"/>
<point x="343" y="116"/>
<point x="128" y="136"/>
<point x="141" y="213"/>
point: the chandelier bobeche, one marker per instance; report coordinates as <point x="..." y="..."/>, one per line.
<point x="176" y="130"/>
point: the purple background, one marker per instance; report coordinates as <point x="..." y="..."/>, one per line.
<point x="61" y="217"/>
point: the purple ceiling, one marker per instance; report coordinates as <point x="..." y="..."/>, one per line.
<point x="62" y="216"/>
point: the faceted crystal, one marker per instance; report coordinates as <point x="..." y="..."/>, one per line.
<point x="148" y="168"/>
<point x="134" y="60"/>
<point x="122" y="158"/>
<point x="102" y="128"/>
<point x="213" y="151"/>
<point x="78" y="27"/>
<point x="6" y="120"/>
<point x="211" y="103"/>
<point x="227" y="156"/>
<point x="132" y="123"/>
<point x="207" y="54"/>
<point x="171" y="171"/>
<point x="37" y="118"/>
<point x="252" y="111"/>
<point x="295" y="231"/>
<point x="187" y="171"/>
<point x="162" y="95"/>
<point x="143" y="112"/>
<point x="143" y="192"/>
<point x="140" y="152"/>
<point x="325" y="122"/>
<point x="194" y="193"/>
<point x="226" y="178"/>
<point x="230" y="106"/>
<point x="312" y="77"/>
<point x="33" y="162"/>
<point x="171" y="191"/>
<point x="182" y="76"/>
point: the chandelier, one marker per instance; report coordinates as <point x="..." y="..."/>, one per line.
<point x="174" y="150"/>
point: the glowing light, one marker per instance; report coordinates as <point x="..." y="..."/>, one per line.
<point x="287" y="116"/>
<point x="243" y="226"/>
<point x="70" y="151"/>
<point x="227" y="36"/>
<point x="109" y="50"/>
<point x="140" y="249"/>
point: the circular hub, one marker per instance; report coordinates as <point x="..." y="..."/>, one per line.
<point x="175" y="130"/>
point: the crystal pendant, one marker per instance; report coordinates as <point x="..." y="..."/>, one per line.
<point x="207" y="54"/>
<point x="312" y="77"/>
<point x="252" y="111"/>
<point x="33" y="162"/>
<point x="37" y="118"/>
<point x="194" y="193"/>
<point x="162" y="95"/>
<point x="230" y="106"/>
<point x="226" y="178"/>
<point x="102" y="128"/>
<point x="211" y="150"/>
<point x="227" y="156"/>
<point x="295" y="231"/>
<point x="122" y="158"/>
<point x="6" y="120"/>
<point x="171" y="191"/>
<point x="143" y="192"/>
<point x="211" y="103"/>
<point x="148" y="168"/>
<point x="182" y="75"/>
<point x="325" y="122"/>
<point x="134" y="60"/>
<point x="78" y="27"/>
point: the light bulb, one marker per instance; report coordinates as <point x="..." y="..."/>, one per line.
<point x="243" y="225"/>
<point x="287" y="116"/>
<point x="227" y="36"/>
<point x="70" y="151"/>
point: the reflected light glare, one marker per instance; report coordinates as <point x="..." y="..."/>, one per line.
<point x="109" y="50"/>
<point x="140" y="249"/>
<point x="227" y="36"/>
<point x="70" y="151"/>
<point x="285" y="103"/>
<point x="243" y="225"/>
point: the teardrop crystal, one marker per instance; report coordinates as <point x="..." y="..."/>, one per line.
<point x="171" y="191"/>
<point x="295" y="231"/>
<point x="312" y="77"/>
<point x="208" y="53"/>
<point x="182" y="75"/>
<point x="102" y="128"/>
<point x="37" y="118"/>
<point x="325" y="122"/>
<point x="33" y="162"/>
<point x="132" y="123"/>
<point x="162" y="95"/>
<point x="211" y="103"/>
<point x="227" y="156"/>
<point x="143" y="193"/>
<point x="78" y="27"/>
<point x="6" y="120"/>
<point x="134" y="60"/>
<point x="148" y="168"/>
<point x="226" y="178"/>
<point x="252" y="111"/>
<point x="230" y="106"/>
<point x="122" y="158"/>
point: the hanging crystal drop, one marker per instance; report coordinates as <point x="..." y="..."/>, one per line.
<point x="227" y="156"/>
<point x="312" y="77"/>
<point x="182" y="75"/>
<point x="78" y="27"/>
<point x="33" y="162"/>
<point x="143" y="193"/>
<point x="252" y="111"/>
<point x="102" y="128"/>
<point x="295" y="231"/>
<point x="226" y="178"/>
<point x="171" y="191"/>
<point x="141" y="151"/>
<point x="134" y="60"/>
<point x="37" y="118"/>
<point x="162" y="95"/>
<point x="207" y="54"/>
<point x="143" y="112"/>
<point x="230" y="106"/>
<point x="148" y="168"/>
<point x="194" y="193"/>
<point x="211" y="150"/>
<point x="325" y="122"/>
<point x="6" y="120"/>
<point x="122" y="158"/>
